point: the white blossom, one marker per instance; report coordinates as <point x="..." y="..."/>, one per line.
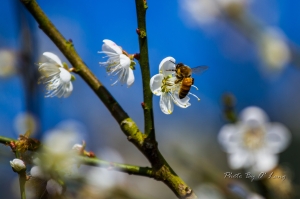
<point x="25" y="121"/>
<point x="53" y="187"/>
<point x="117" y="63"/>
<point x="273" y="49"/>
<point x="7" y="63"/>
<point x="208" y="11"/>
<point x="17" y="164"/>
<point x="253" y="142"/>
<point x="163" y="85"/>
<point x="55" y="76"/>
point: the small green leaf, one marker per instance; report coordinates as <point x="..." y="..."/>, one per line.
<point x="73" y="78"/>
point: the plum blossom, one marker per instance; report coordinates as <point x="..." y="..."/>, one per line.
<point x="17" y="165"/>
<point x="274" y="49"/>
<point x="118" y="63"/>
<point x="7" y="63"/>
<point x="52" y="187"/>
<point x="163" y="85"/>
<point x="55" y="76"/>
<point x="253" y="142"/>
<point x="209" y="11"/>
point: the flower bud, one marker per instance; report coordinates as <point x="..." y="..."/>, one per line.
<point x="54" y="188"/>
<point x="77" y="147"/>
<point x="17" y="165"/>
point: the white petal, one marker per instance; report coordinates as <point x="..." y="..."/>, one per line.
<point x="48" y="69"/>
<point x="65" y="75"/>
<point x="53" y="58"/>
<point x="124" y="61"/>
<point x="238" y="160"/>
<point x="130" y="77"/>
<point x="155" y="84"/>
<point x="182" y="103"/>
<point x="264" y="162"/>
<point x="277" y="138"/>
<point x="166" y="66"/>
<point x="228" y="138"/>
<point x="166" y="103"/>
<point x="37" y="172"/>
<point x="111" y="47"/>
<point x="253" y="116"/>
<point x="53" y="188"/>
<point x="68" y="89"/>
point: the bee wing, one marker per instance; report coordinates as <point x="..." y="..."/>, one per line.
<point x="198" y="70"/>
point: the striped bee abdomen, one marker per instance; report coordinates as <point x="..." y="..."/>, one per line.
<point x="185" y="87"/>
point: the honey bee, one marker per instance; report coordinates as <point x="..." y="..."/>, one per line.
<point x="183" y="75"/>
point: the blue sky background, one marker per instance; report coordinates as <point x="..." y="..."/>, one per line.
<point x="234" y="66"/>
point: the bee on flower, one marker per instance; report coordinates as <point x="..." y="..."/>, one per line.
<point x="118" y="63"/>
<point x="165" y="85"/>
<point x="253" y="142"/>
<point x="55" y="76"/>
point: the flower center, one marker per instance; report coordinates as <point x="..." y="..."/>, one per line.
<point x="253" y="138"/>
<point x="167" y="84"/>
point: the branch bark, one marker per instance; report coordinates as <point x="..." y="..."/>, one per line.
<point x="141" y="7"/>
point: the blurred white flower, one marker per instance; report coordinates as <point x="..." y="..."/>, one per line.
<point x="163" y="85"/>
<point x="55" y="76"/>
<point x="77" y="147"/>
<point x="54" y="188"/>
<point x="17" y="164"/>
<point x="208" y="191"/>
<point x="253" y="142"/>
<point x="102" y="178"/>
<point x="208" y="11"/>
<point x="25" y="122"/>
<point x="274" y="49"/>
<point x="117" y="63"/>
<point x="7" y="63"/>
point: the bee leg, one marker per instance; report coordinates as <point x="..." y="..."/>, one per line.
<point x="177" y="81"/>
<point x="192" y="81"/>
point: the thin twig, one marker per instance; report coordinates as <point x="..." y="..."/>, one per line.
<point x="141" y="8"/>
<point x="125" y="168"/>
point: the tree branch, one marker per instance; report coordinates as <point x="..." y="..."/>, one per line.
<point x="148" y="146"/>
<point x="125" y="168"/>
<point x="141" y="7"/>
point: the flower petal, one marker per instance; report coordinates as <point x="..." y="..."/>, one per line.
<point x="264" y="162"/>
<point x="166" y="66"/>
<point x="130" y="77"/>
<point x="166" y="103"/>
<point x="54" y="188"/>
<point x="68" y="89"/>
<point x="277" y="138"/>
<point x="182" y="103"/>
<point x="238" y="160"/>
<point x="253" y="116"/>
<point x="53" y="58"/>
<point x="111" y="47"/>
<point x="228" y="138"/>
<point x="155" y="84"/>
<point x="48" y="69"/>
<point x="65" y="75"/>
<point x="124" y="61"/>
